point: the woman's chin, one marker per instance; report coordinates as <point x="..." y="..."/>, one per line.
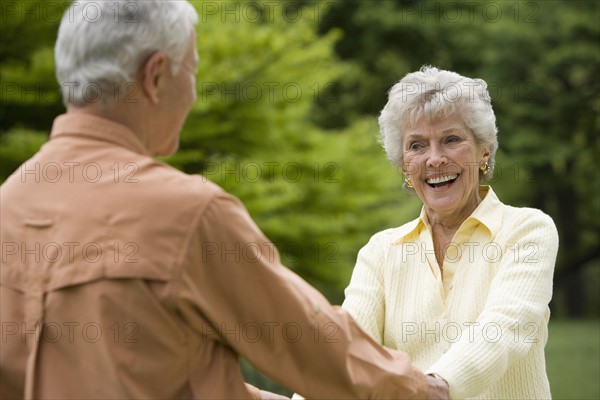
<point x="444" y="199"/>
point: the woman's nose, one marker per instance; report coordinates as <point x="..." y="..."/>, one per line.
<point x="436" y="157"/>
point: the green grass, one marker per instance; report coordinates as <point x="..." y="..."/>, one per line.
<point x="573" y="359"/>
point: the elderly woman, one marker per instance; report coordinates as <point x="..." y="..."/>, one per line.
<point x="464" y="288"/>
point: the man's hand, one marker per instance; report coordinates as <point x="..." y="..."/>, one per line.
<point x="437" y="389"/>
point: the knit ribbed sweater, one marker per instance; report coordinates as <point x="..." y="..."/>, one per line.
<point x="481" y="324"/>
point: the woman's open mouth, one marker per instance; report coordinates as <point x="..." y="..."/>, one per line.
<point x="442" y="181"/>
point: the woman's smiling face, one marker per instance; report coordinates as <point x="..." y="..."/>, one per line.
<point x="442" y="160"/>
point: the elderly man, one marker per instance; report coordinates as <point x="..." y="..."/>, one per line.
<point x="122" y="277"/>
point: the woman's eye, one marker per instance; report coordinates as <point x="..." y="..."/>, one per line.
<point x="415" y="146"/>
<point x="452" y="139"/>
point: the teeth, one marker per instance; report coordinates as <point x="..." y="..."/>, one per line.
<point x="441" y="179"/>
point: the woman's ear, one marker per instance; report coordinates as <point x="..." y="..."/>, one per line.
<point x="486" y="155"/>
<point x="152" y="73"/>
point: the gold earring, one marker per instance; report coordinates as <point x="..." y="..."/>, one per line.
<point x="485" y="168"/>
<point x="408" y="182"/>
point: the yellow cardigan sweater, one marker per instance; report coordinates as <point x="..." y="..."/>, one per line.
<point x="482" y="324"/>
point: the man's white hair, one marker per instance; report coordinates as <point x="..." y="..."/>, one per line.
<point x="432" y="93"/>
<point x="102" y="44"/>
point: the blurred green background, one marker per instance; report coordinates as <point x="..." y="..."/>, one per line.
<point x="288" y="95"/>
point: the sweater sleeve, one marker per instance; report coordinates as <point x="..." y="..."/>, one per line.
<point x="365" y="297"/>
<point x="516" y="306"/>
<point x="235" y="280"/>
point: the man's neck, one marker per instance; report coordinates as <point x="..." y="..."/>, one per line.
<point x="122" y="113"/>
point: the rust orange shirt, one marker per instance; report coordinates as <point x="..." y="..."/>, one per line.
<point x="122" y="277"/>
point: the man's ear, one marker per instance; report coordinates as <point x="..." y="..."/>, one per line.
<point x="152" y="72"/>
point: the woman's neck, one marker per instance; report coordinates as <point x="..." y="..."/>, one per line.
<point x="445" y="225"/>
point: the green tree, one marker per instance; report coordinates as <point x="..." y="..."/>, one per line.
<point x="29" y="95"/>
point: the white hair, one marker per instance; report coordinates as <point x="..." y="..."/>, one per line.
<point x="102" y="44"/>
<point x="433" y="93"/>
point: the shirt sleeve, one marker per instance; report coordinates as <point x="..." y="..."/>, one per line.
<point x="365" y="297"/>
<point x="517" y="303"/>
<point x="278" y="322"/>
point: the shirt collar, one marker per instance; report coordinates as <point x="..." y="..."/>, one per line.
<point x="488" y="213"/>
<point x="97" y="128"/>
